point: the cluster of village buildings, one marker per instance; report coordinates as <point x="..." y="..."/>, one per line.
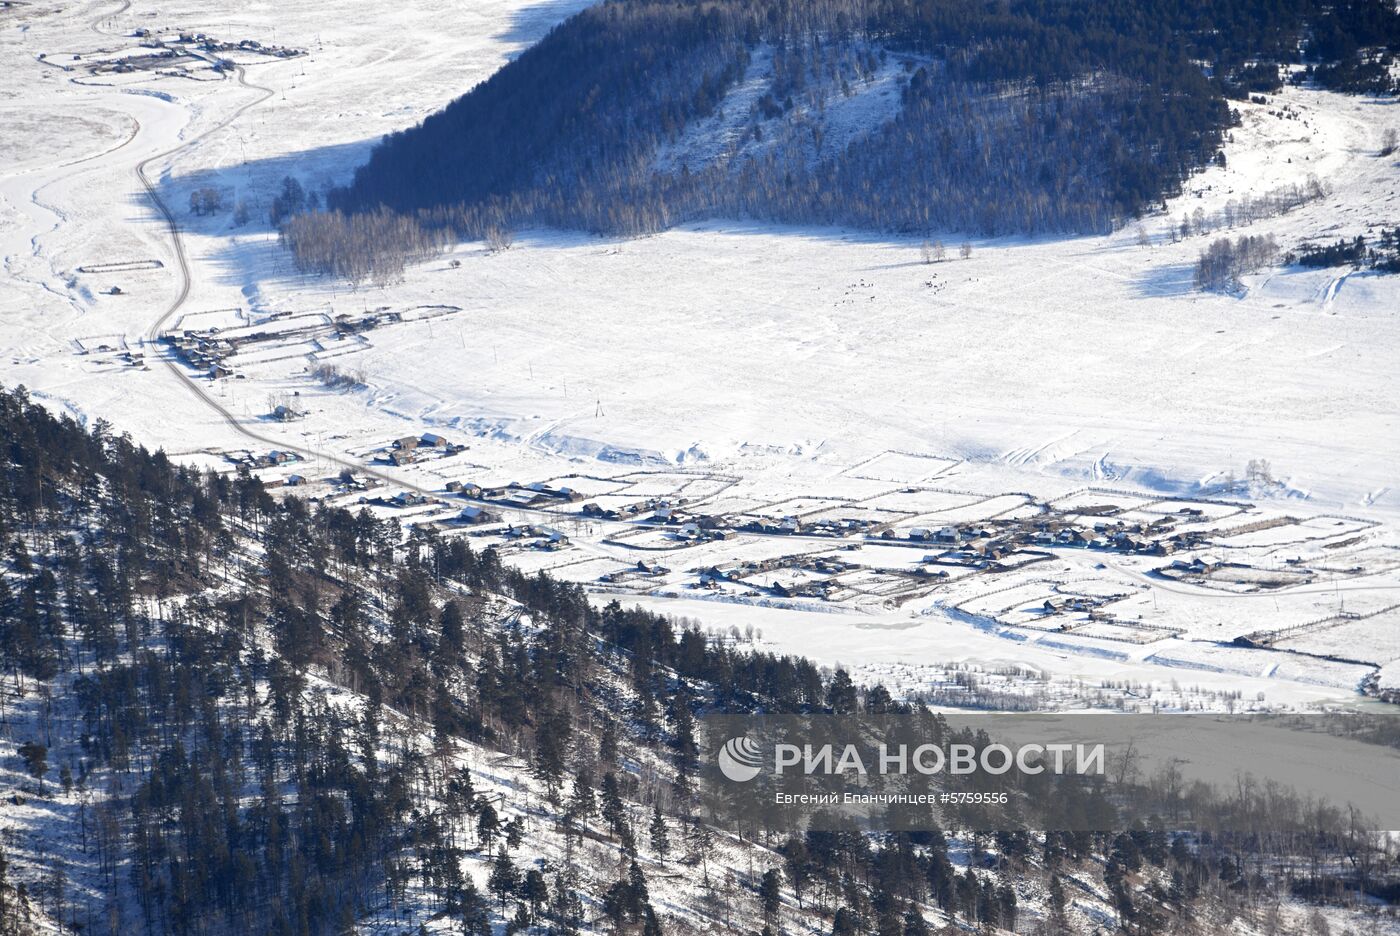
<point x="410" y="449"/>
<point x="985" y="546"/>
<point x="161" y="51"/>
<point x="211" y="350"/>
<point x="204" y="351"/>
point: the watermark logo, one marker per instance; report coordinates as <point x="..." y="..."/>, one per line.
<point x="740" y="759"/>
<point x="1072" y="771"/>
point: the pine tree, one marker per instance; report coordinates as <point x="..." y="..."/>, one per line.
<point x="841" y="694"/>
<point x="551" y="748"/>
<point x="770" y="895"/>
<point x="504" y="880"/>
<point x="844" y="923"/>
<point x="474" y="916"/>
<point x="36" y="761"/>
<point x="535" y="892"/>
<point x="451" y="635"/>
<point x="613" y="811"/>
<point x="660" y="837"/>
<point x="566" y="907"/>
<point x="582" y="803"/>
<point x="487" y="826"/>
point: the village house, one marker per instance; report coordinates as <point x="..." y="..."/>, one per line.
<point x="552" y="539"/>
<point x="829" y="566"/>
<point x="521" y="498"/>
<point x="671" y="515"/>
<point x="711" y="576"/>
<point x="536" y="492"/>
<point x="476" y="515"/>
<point x="993" y="550"/>
<point x="1194" y="566"/>
<point x="1128" y="542"/>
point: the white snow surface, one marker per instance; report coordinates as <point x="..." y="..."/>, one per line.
<point x="795" y="360"/>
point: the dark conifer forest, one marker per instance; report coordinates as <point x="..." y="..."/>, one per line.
<point x="1019" y="116"/>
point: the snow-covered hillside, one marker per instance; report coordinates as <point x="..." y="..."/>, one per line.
<point x="825" y="118"/>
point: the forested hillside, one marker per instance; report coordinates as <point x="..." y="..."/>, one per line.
<point x="1030" y="115"/>
<point x="228" y="712"/>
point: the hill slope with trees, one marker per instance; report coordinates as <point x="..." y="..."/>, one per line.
<point x="1028" y="115"/>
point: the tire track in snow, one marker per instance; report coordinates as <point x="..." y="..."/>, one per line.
<point x="183" y="269"/>
<point x="182" y="294"/>
<point x="96" y="23"/>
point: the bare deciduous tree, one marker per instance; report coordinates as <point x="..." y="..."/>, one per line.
<point x="1222" y="263"/>
<point x="499" y="238"/>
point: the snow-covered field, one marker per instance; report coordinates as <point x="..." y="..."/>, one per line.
<point x="812" y="370"/>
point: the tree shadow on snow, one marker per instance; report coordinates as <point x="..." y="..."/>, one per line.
<point x="1166" y="280"/>
<point x="247" y="253"/>
<point x="243" y="198"/>
<point x="530" y="23"/>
